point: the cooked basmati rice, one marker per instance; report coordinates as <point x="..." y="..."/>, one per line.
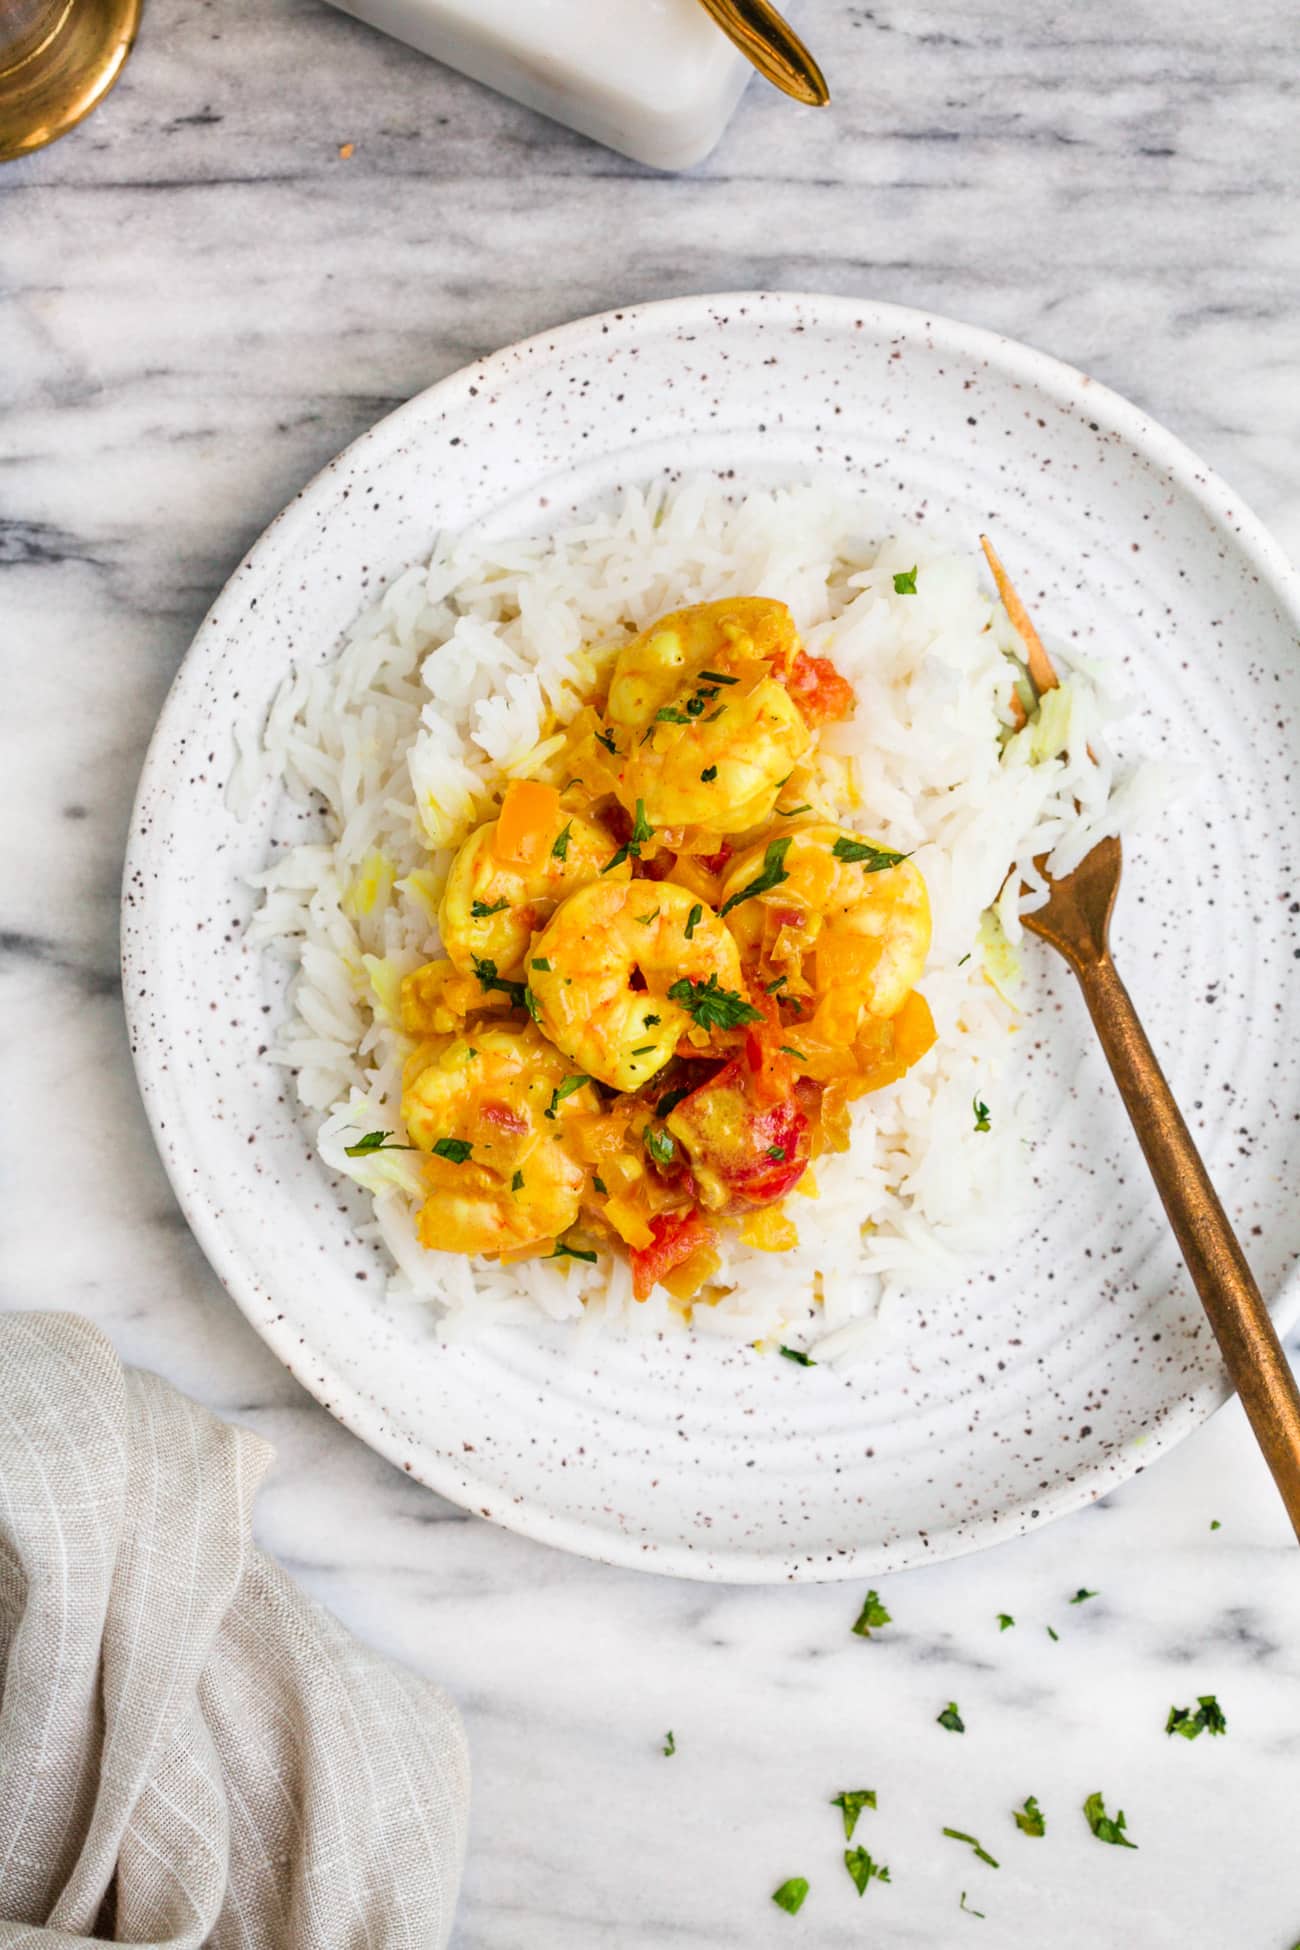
<point x="458" y="676"/>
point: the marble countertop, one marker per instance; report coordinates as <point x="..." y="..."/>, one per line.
<point x="202" y="302"/>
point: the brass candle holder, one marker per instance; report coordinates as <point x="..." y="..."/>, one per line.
<point x="58" y="59"/>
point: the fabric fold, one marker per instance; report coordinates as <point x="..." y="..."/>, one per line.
<point x="191" y="1751"/>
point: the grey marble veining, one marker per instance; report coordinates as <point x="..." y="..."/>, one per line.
<point x="201" y="303"/>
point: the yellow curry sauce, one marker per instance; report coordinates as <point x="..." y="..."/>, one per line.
<point x="668" y="968"/>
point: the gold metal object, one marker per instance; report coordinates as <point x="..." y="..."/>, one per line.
<point x="58" y="59"/>
<point x="773" y="46"/>
<point x="1076" y="922"/>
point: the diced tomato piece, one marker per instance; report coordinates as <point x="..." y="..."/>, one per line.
<point x="504" y="1118"/>
<point x="676" y="1236"/>
<point x="715" y="862"/>
<point x="771" y="1073"/>
<point x="657" y="869"/>
<point x="823" y="696"/>
<point x="617" y="821"/>
<point x="757" y="1151"/>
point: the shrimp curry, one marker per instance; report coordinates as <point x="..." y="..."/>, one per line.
<point x="667" y="968"/>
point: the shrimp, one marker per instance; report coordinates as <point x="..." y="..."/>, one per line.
<point x="510" y="874"/>
<point x="491" y="1113"/>
<point x="705" y="734"/>
<point x="843" y="920"/>
<point x="623" y="973"/>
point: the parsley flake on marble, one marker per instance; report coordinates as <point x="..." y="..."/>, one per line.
<point x="1030" y="1819"/>
<point x="1101" y="1824"/>
<point x="871" y="1617"/>
<point x="863" y="1868"/>
<point x="850" y="1804"/>
<point x="956" y="1835"/>
<point x="790" y="1895"/>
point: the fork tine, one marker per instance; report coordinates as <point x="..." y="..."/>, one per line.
<point x="1042" y="671"/>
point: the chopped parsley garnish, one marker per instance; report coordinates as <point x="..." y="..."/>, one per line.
<point x="965" y="958"/>
<point x="1080" y="1595"/>
<point x="711" y="1006"/>
<point x="670" y="716"/>
<point x="376" y="1141"/>
<point x="479" y="910"/>
<point x="770" y="875"/>
<point x="776" y="1152"/>
<point x="851" y="1803"/>
<point x="1106" y="1830"/>
<point x="661" y="1145"/>
<point x="648" y="1022"/>
<point x="969" y="1908"/>
<point x="561" y="1251"/>
<point x="631" y="847"/>
<point x="1005" y="1621"/>
<point x="1053" y="1634"/>
<point x="1215" y="1524"/>
<point x="804" y="1360"/>
<point x="1208" y="1718"/>
<point x="1210" y="1714"/>
<point x="872" y="1615"/>
<point x="862" y="1868"/>
<point x="1030" y="1819"/>
<point x="790" y="1895"/>
<point x="645" y="920"/>
<point x="599" y="1184"/>
<point x="793" y="811"/>
<point x="693" y="920"/>
<point x="669" y="1101"/>
<point x="708" y="775"/>
<point x="560" y="851"/>
<point x="454" y="1150"/>
<point x="770" y="988"/>
<point x="956" y="1835"/>
<point x="670" y="1745"/>
<point x="517" y="1182"/>
<point x="532" y="1005"/>
<point x="716" y="677"/>
<point x="874" y="859"/>
<point x="486" y="973"/>
<point x="645" y="1049"/>
<point x="604" y="738"/>
<point x="788" y="1049"/>
<point x="563" y="1090"/>
<point x="905" y="582"/>
<point x="951" y="1718"/>
<point x="982" y="1120"/>
<point x="540" y="962"/>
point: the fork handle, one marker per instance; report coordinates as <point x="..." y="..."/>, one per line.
<point x="1246" y="1336"/>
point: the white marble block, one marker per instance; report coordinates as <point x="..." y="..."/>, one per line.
<point x="654" y="78"/>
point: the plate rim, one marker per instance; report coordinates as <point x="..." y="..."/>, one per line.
<point x="442" y="1471"/>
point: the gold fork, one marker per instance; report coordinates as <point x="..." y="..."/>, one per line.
<point x="1076" y="921"/>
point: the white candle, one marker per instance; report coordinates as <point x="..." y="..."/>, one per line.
<point x="654" y="78"/>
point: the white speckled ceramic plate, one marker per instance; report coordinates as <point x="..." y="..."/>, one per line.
<point x="1048" y="1377"/>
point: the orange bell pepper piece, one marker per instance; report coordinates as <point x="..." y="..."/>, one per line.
<point x="529" y="822"/>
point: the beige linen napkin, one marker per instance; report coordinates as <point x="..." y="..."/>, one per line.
<point x="190" y="1750"/>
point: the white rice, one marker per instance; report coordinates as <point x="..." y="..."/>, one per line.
<point x="452" y="679"/>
